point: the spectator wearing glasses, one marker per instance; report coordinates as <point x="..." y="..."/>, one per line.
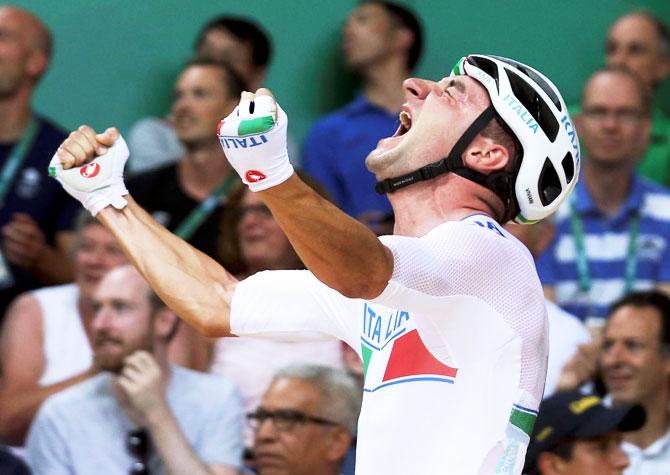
<point x="306" y="421"/>
<point x="612" y="235"/>
<point x="251" y="236"/>
<point x="140" y="415"/>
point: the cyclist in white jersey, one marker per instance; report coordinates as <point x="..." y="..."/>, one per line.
<point x="447" y="314"/>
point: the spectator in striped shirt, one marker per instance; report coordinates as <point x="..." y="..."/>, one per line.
<point x="612" y="235"/>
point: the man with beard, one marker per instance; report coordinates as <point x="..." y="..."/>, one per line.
<point x="447" y="314"/>
<point x="140" y="414"/>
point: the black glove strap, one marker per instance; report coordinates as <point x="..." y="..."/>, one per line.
<point x="453" y="162"/>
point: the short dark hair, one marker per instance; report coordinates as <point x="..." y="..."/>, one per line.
<point x="232" y="80"/>
<point x="246" y="31"/>
<point x="642" y="89"/>
<point x="650" y="298"/>
<point x="406" y="18"/>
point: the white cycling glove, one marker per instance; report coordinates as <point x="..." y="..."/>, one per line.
<point x="99" y="183"/>
<point x="255" y="142"/>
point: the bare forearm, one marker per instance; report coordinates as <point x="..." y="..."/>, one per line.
<point x="173" y="449"/>
<point x="192" y="284"/>
<point x="340" y="251"/>
<point x="19" y="407"/>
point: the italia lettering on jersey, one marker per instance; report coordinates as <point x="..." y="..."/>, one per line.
<point x="393" y="352"/>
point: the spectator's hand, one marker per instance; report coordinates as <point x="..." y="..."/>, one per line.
<point x="23" y="241"/>
<point x="255" y="142"/>
<point x="141" y="387"/>
<point x="90" y="168"/>
<point x="581" y="368"/>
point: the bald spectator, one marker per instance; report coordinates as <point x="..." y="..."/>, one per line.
<point x="45" y="344"/>
<point x="613" y="235"/>
<point x="36" y="216"/>
<point x="306" y="421"/>
<point x="382" y="43"/>
<point x="140" y="415"/>
<point x="640" y="42"/>
<point x="241" y="43"/>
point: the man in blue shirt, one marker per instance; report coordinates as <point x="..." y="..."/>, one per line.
<point x="382" y="43"/>
<point x="613" y="234"/>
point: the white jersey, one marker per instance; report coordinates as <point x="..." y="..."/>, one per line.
<point x="454" y="349"/>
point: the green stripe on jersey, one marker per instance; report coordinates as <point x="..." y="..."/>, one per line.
<point x="523" y="420"/>
<point x="367" y="353"/>
<point x="52" y="171"/>
<point x="255" y="126"/>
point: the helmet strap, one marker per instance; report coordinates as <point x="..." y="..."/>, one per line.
<point x="501" y="183"/>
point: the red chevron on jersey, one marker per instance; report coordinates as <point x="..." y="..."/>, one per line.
<point x="410" y="357"/>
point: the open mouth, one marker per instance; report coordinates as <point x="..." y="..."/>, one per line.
<point x="405" y="124"/>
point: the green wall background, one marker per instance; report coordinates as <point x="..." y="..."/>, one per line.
<point x="116" y="60"/>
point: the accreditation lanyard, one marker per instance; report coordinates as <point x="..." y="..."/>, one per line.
<point x="200" y="213"/>
<point x="16" y="158"/>
<point x="583" y="271"/>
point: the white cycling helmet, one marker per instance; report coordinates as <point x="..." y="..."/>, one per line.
<point x="532" y="109"/>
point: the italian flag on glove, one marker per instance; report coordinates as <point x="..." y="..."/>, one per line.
<point x="253" y="137"/>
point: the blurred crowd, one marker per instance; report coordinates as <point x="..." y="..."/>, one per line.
<point x="98" y="376"/>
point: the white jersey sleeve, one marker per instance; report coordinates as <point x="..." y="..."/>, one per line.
<point x="292" y="305"/>
<point x="456" y="277"/>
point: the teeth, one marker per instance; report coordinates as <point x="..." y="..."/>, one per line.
<point x="405" y="120"/>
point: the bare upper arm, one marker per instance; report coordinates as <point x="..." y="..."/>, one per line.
<point x="22" y="358"/>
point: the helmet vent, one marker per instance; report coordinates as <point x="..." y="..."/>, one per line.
<point x="534" y="103"/>
<point x="549" y="183"/>
<point x="486" y="65"/>
<point x="568" y="167"/>
<point x="539" y="80"/>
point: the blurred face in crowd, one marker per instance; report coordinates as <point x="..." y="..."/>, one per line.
<point x="21" y="58"/>
<point x="201" y="100"/>
<point x="368" y="36"/>
<point x="634" y="368"/>
<point x="302" y="448"/>
<point x="597" y="456"/>
<point x="96" y="253"/>
<point x="263" y="244"/>
<point x="612" y="125"/>
<point x="633" y="43"/>
<point x="218" y="44"/>
<point x="123" y="321"/>
<point x="438" y="114"/>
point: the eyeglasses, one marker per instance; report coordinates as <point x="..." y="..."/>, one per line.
<point x="623" y="116"/>
<point x="284" y="419"/>
<point x="137" y="443"/>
